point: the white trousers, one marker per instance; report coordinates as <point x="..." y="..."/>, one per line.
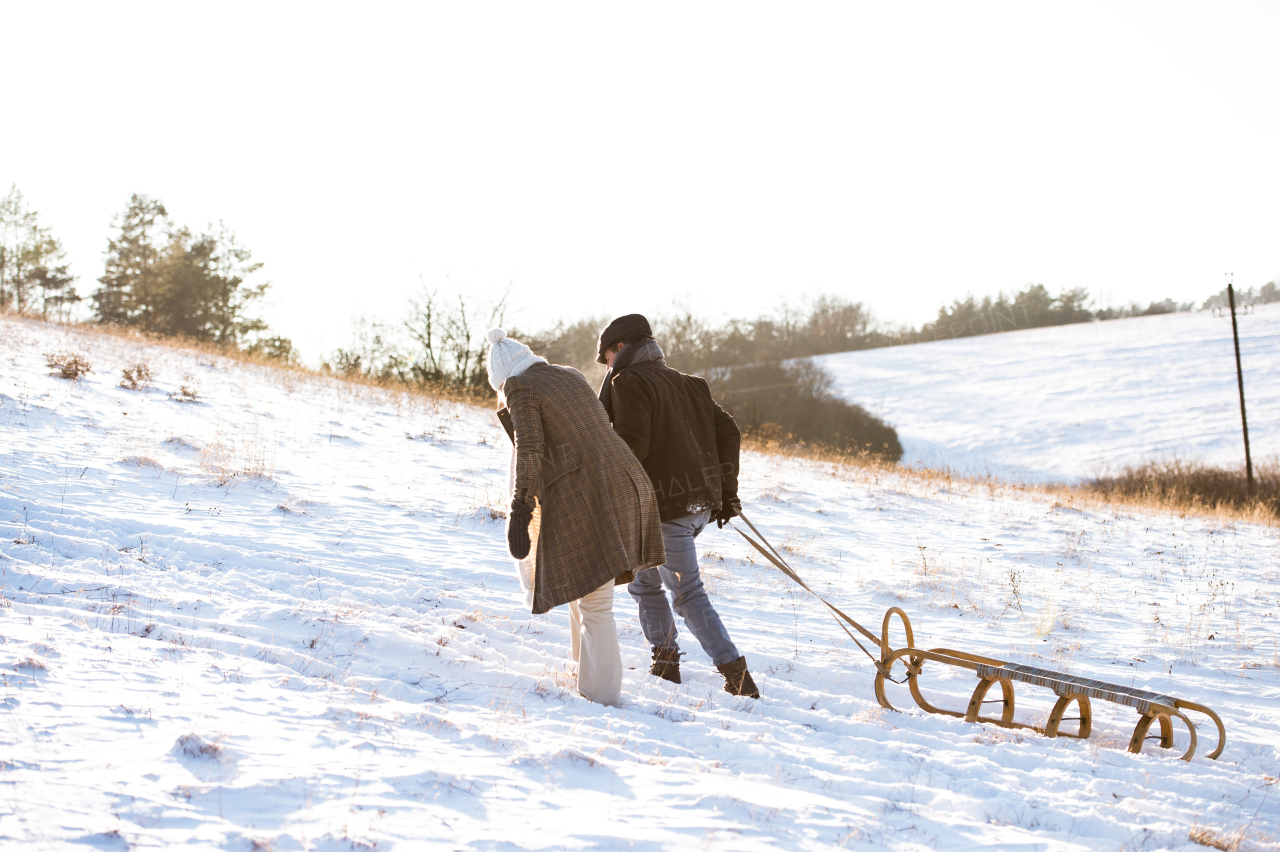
<point x="594" y="638"/>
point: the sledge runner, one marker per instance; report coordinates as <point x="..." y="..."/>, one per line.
<point x="582" y="510"/>
<point x="689" y="447"/>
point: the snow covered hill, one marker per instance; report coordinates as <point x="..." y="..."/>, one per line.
<point x="1074" y="401"/>
<point x="280" y="616"/>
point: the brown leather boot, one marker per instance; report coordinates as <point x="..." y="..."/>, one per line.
<point x="737" y="680"/>
<point x="666" y="664"/>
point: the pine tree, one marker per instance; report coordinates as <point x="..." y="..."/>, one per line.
<point x="31" y="261"/>
<point x="169" y="280"/>
<point x="197" y="288"/>
<point x="126" y="281"/>
<point x="57" y="290"/>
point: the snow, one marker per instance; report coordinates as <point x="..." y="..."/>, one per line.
<point x="281" y="617"/>
<point x="1076" y="401"/>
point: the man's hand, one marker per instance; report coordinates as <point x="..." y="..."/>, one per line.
<point x="730" y="508"/>
<point x="518" y="528"/>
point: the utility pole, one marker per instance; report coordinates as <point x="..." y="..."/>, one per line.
<point x="1244" y="420"/>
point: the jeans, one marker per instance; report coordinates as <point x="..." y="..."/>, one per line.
<point x="593" y="637"/>
<point x="681" y="576"/>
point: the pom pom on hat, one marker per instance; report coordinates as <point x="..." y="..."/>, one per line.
<point x="507" y="357"/>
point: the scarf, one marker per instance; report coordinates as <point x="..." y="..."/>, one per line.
<point x="632" y="353"/>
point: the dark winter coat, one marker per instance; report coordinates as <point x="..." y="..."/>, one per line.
<point x="687" y="443"/>
<point x="596" y="515"/>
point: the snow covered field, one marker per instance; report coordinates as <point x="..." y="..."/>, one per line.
<point x="281" y="617"/>
<point x="1073" y="401"/>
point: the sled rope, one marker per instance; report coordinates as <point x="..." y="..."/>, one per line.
<point x="781" y="564"/>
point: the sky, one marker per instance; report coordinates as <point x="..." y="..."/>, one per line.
<point x="598" y="159"/>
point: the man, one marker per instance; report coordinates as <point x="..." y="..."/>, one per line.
<point x="582" y="510"/>
<point x="689" y="446"/>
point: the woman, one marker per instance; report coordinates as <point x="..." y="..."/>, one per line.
<point x="582" y="509"/>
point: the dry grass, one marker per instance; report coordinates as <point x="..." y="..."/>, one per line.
<point x="291" y="505"/>
<point x="998" y="736"/>
<point x="1262" y="663"/>
<point x="141" y="461"/>
<point x="860" y="458"/>
<point x="188" y="391"/>
<point x="193" y="745"/>
<point x="287" y="373"/>
<point x="68" y="365"/>
<point x="137" y="377"/>
<point x="248" y="456"/>
<point x="1239" y="840"/>
<point x="491" y="507"/>
<point x="1194" y="487"/>
<point x="1180" y="487"/>
<point x="716" y="576"/>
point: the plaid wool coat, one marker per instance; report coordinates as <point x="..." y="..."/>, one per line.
<point x="596" y="514"/>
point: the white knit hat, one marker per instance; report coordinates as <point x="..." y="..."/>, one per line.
<point x="507" y="357"/>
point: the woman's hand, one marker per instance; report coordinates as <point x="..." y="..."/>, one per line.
<point x="518" y="528"/>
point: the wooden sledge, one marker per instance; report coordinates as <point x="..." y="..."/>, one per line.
<point x="1152" y="707"/>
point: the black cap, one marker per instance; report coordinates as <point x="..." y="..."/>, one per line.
<point x="623" y="328"/>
